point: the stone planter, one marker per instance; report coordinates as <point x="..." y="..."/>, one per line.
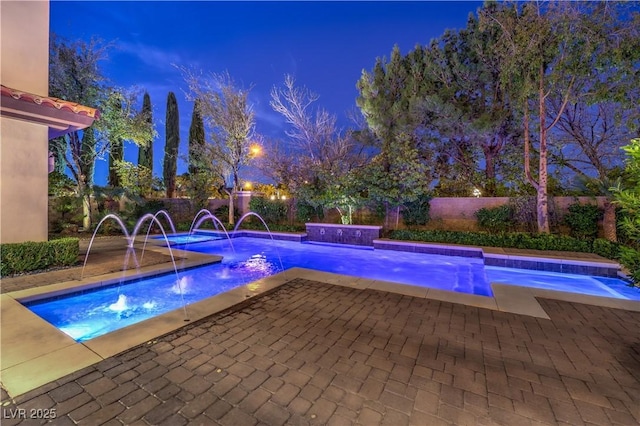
<point x="360" y="235"/>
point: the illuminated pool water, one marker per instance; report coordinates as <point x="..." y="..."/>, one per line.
<point x="88" y="315"/>
<point x="184" y="239"/>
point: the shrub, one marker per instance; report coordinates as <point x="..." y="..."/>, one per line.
<point x="272" y="211"/>
<point x="512" y="240"/>
<point x="416" y="213"/>
<point x="222" y="213"/>
<point x="630" y="258"/>
<point x="30" y="256"/>
<point x="524" y="213"/>
<point x="524" y="216"/>
<point x="67" y="211"/>
<point x="496" y="219"/>
<point x="139" y="207"/>
<point x="305" y="212"/>
<point x="606" y="248"/>
<point x="582" y="220"/>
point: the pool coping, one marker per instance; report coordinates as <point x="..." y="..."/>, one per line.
<point x="587" y="264"/>
<point x="36" y="353"/>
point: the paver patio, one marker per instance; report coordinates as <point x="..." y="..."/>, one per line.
<point x="316" y="353"/>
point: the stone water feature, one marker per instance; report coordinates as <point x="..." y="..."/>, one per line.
<point x="359" y="235"/>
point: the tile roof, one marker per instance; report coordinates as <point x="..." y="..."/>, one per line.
<point x="59" y="115"/>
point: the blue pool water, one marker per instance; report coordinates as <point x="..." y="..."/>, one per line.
<point x="188" y="239"/>
<point x="91" y="314"/>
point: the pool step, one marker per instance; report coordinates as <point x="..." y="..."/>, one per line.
<point x="464" y="278"/>
<point x="563" y="262"/>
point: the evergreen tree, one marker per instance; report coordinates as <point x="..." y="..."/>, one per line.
<point x="58" y="146"/>
<point x="116" y="155"/>
<point x="74" y="75"/>
<point x="196" y="139"/>
<point x="551" y="52"/>
<point x="399" y="173"/>
<point x="87" y="157"/>
<point x="171" y="145"/>
<point x="231" y="122"/>
<point x="145" y="151"/>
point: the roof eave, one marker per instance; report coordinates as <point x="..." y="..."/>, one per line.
<point x="61" y="117"/>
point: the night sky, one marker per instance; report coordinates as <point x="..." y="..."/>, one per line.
<point x="325" y="45"/>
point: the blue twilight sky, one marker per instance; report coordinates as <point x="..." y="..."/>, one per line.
<point x="325" y="45"/>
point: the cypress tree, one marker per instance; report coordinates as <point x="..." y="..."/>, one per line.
<point x="145" y="151"/>
<point x="58" y="146"/>
<point x="87" y="157"/>
<point x="196" y="139"/>
<point x="171" y="145"/>
<point x="116" y="153"/>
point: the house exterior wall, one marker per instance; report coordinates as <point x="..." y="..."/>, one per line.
<point x="24" y="49"/>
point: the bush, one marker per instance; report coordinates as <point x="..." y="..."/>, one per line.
<point x="258" y="226"/>
<point x="67" y="211"/>
<point x="524" y="217"/>
<point x="496" y="219"/>
<point x="272" y="211"/>
<point x="30" y="256"/>
<point x="606" y="248"/>
<point x="139" y="207"/>
<point x="524" y="213"/>
<point x="222" y="213"/>
<point x="582" y="220"/>
<point x="416" y="213"/>
<point x="305" y="212"/>
<point x="512" y="240"/>
<point x="630" y="258"/>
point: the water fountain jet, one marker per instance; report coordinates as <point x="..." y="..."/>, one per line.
<point x="130" y="241"/>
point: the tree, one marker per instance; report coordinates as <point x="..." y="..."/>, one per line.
<point x="58" y="146"/>
<point x="230" y="119"/>
<point x="395" y="177"/>
<point x="588" y="137"/>
<point x="391" y="99"/>
<point x="388" y="100"/>
<point x="145" y="150"/>
<point x="202" y="180"/>
<point x="318" y="162"/>
<point x="74" y="75"/>
<point x="196" y="138"/>
<point x="135" y="179"/>
<point x="171" y="145"/>
<point x="547" y="51"/>
<point x="463" y="108"/>
<point x="116" y="155"/>
<point x="629" y="200"/>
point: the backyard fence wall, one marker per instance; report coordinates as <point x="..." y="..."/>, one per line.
<point x="454" y="213"/>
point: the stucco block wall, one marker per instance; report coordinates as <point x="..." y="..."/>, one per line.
<point x="24" y="44"/>
<point x="462" y="208"/>
<point x="23" y="181"/>
<point x="24" y="40"/>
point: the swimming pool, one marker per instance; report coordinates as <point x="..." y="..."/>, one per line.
<point x="93" y="313"/>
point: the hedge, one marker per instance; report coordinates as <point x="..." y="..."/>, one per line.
<point x="519" y="240"/>
<point x="30" y="256"/>
<point x="627" y="256"/>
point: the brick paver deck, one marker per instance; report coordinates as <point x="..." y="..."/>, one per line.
<point x="313" y="353"/>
